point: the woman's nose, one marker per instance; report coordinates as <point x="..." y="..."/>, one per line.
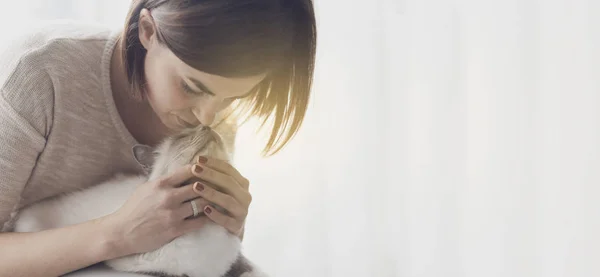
<point x="205" y="114"/>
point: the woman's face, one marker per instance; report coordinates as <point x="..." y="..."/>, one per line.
<point x="180" y="95"/>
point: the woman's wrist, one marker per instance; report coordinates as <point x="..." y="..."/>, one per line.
<point x="110" y="239"/>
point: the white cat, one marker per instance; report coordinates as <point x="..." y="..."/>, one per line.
<point x="208" y="252"/>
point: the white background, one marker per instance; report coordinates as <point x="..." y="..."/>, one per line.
<point x="445" y="138"/>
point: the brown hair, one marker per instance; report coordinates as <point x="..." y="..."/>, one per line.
<point x="237" y="38"/>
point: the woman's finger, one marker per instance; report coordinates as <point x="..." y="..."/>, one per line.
<point x="184" y="193"/>
<point x="227" y="202"/>
<point x="193" y="224"/>
<point x="185" y="210"/>
<point x="225" y="168"/>
<point x="231" y="224"/>
<point x="222" y="182"/>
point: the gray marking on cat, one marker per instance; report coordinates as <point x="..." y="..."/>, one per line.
<point x="239" y="267"/>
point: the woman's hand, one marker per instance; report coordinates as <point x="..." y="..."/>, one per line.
<point x="225" y="187"/>
<point x="156" y="213"/>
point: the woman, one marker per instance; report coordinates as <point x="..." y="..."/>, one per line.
<point x="75" y="99"/>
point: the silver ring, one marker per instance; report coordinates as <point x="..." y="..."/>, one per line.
<point x="194" y="207"/>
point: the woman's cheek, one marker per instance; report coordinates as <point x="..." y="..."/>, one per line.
<point x="168" y="94"/>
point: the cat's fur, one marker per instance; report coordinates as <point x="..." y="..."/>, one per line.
<point x="208" y="252"/>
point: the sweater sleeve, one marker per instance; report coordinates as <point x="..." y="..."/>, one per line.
<point x="26" y="107"/>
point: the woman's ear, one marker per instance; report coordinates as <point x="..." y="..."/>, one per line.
<point x="146" y="29"/>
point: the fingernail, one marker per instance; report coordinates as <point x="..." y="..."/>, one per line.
<point x="207" y="210"/>
<point x="198" y="187"/>
<point x="202" y="159"/>
<point x="197" y="169"/>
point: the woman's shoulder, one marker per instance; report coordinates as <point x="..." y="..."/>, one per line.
<point x="52" y="43"/>
<point x="39" y="58"/>
<point x="54" y="38"/>
<point x="44" y="33"/>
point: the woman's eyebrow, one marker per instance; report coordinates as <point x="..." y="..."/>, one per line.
<point x="201" y="86"/>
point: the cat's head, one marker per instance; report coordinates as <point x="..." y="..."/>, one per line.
<point x="181" y="149"/>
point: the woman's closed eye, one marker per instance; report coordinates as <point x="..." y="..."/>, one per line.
<point x="187" y="89"/>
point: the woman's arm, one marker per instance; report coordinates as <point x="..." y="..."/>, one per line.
<point x="26" y="116"/>
<point x="58" y="251"/>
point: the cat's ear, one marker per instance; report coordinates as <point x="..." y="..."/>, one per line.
<point x="144" y="155"/>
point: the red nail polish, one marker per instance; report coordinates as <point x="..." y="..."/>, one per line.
<point x="207" y="210"/>
<point x="198" y="187"/>
<point x="198" y="169"/>
<point x="202" y="159"/>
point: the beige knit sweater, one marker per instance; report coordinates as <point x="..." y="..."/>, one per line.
<point x="59" y="127"/>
